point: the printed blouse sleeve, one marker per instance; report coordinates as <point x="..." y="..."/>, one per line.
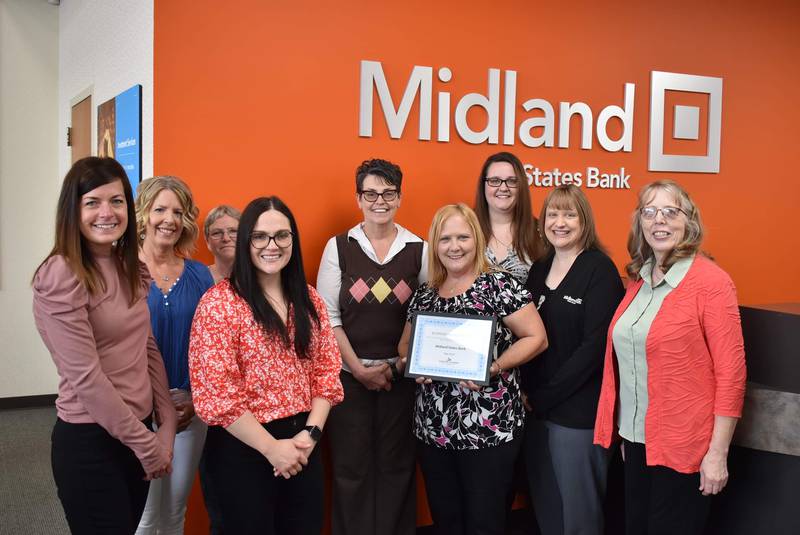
<point x="723" y="332"/>
<point x="61" y="309"/>
<point x="415" y="304"/>
<point x="509" y="294"/>
<point x="218" y="386"/>
<point x="327" y="360"/>
<point x="329" y="281"/>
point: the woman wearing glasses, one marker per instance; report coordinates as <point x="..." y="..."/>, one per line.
<point x="220" y="228"/>
<point x="503" y="207"/>
<point x="166" y="219"/>
<point x="265" y="373"/>
<point x="89" y="306"/>
<point x="468" y="436"/>
<point x="675" y="343"/>
<point x="576" y="288"/>
<point x="366" y="277"/>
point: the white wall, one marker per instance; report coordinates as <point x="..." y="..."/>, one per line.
<point x="105" y="46"/>
<point x="48" y="56"/>
<point x="28" y="185"/>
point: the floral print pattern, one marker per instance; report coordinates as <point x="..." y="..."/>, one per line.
<point x="235" y="366"/>
<point x="449" y="416"/>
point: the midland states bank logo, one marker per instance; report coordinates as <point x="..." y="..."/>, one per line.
<point x="533" y="122"/>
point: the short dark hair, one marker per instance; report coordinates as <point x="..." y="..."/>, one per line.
<point x="388" y="171"/>
<point x="293" y="279"/>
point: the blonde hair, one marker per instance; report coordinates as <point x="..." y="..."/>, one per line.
<point x="570" y="197"/>
<point x="689" y="245"/>
<point x="146" y="194"/>
<point x="437" y="273"/>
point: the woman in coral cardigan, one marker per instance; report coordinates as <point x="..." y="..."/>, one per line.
<point x="675" y="345"/>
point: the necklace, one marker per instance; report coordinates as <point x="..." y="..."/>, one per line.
<point x="504" y="244"/>
<point x="457" y="288"/>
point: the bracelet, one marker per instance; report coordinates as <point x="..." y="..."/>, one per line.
<point x="395" y="372"/>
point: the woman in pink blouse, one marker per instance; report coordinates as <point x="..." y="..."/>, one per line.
<point x="264" y="367"/>
<point x="89" y="303"/>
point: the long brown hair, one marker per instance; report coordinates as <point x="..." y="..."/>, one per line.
<point x="638" y="248"/>
<point x="84" y="176"/>
<point x="524" y="226"/>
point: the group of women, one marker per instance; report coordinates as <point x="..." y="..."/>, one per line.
<point x="243" y="364"/>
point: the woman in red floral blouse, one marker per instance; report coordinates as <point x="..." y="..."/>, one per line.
<point x="264" y="368"/>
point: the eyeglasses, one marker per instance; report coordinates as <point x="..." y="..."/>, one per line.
<point x="495" y="181"/>
<point x="669" y="212"/>
<point x="260" y="240"/>
<point x="217" y="235"/>
<point x="371" y="196"/>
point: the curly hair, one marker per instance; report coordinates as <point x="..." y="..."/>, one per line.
<point x="689" y="245"/>
<point x="146" y="194"/>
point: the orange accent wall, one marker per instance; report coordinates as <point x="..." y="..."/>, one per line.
<point x="259" y="98"/>
<point x="256" y="98"/>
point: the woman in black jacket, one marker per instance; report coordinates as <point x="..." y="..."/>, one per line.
<point x="576" y="289"/>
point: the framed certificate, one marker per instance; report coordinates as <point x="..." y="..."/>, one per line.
<point x="451" y="347"/>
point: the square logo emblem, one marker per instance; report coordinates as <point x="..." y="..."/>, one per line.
<point x="686" y="124"/>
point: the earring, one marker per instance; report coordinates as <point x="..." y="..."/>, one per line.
<point x="141" y="236"/>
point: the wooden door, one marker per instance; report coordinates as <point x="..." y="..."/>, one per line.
<point x="81" y="129"/>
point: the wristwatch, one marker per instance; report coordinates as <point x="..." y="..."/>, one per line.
<point x="314" y="431"/>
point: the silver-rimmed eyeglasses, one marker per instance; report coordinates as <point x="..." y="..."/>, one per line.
<point x="217" y="234"/>
<point x="669" y="212"/>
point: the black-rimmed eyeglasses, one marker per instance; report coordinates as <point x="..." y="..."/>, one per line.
<point x="495" y="181"/>
<point x="371" y="196"/>
<point x="260" y="240"/>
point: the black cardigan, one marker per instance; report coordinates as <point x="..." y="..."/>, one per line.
<point x="563" y="383"/>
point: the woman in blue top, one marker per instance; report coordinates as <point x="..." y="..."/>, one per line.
<point x="166" y="222"/>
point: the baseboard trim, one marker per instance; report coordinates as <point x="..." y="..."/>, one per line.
<point x="27" y="402"/>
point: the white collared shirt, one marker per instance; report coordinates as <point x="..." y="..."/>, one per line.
<point x="329" y="277"/>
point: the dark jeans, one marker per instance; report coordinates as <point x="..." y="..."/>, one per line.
<point x="100" y="481"/>
<point x="252" y="499"/>
<point x="373" y="461"/>
<point x="659" y="500"/>
<point x="467" y="489"/>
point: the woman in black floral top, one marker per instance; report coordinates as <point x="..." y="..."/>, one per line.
<point x="468" y="436"/>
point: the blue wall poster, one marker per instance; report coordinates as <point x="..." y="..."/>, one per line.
<point x="119" y="135"/>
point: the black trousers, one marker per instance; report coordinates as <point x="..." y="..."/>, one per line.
<point x="659" y="500"/>
<point x="467" y="488"/>
<point x="373" y="460"/>
<point x="251" y="498"/>
<point x="100" y="481"/>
